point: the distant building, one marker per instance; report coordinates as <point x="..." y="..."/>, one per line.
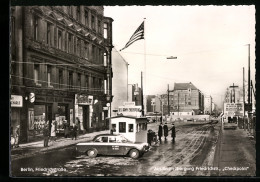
<point x="120" y="81"/>
<point x="150" y="101"/>
<point x="135" y="94"/>
<point x="207" y="104"/>
<point x="186" y="98"/>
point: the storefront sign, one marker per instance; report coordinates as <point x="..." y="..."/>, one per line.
<point x="130" y="110"/>
<point x="83" y="99"/>
<point x="32" y="97"/>
<point x="105" y="108"/>
<point x="16" y="101"/>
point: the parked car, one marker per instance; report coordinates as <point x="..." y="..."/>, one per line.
<point x="112" y="144"/>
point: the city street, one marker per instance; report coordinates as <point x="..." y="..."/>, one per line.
<point x="194" y="147"/>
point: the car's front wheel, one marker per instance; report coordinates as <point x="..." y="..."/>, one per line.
<point x="134" y="153"/>
<point x="92" y="153"/>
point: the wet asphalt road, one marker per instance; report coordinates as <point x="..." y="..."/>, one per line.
<point x="165" y="159"/>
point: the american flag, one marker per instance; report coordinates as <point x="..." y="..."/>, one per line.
<point x="138" y="34"/>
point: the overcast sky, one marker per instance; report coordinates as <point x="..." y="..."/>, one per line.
<point x="208" y="41"/>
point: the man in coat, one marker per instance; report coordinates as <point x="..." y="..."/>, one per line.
<point x="165" y="131"/>
<point x="160" y="132"/>
<point x="46" y="135"/>
<point x="74" y="131"/>
<point x="173" y="133"/>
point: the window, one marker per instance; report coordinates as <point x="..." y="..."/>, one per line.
<point x="79" y="81"/>
<point x="13" y="28"/>
<point x="65" y="46"/>
<point x="112" y="139"/>
<point x="36" y="74"/>
<point x="122" y="127"/>
<point x="49" y="76"/>
<point x="59" y="39"/>
<point x="70" y="10"/>
<point x="93" y="22"/>
<point x="78" y="13"/>
<point x="93" y="53"/>
<point x="86" y="18"/>
<point x="36" y="28"/>
<point x="86" y="50"/>
<point x="60" y="78"/>
<point x="49" y="33"/>
<point x="87" y="82"/>
<point x="114" y="127"/>
<point x="70" y="80"/>
<point x="78" y="46"/>
<point x="99" y="26"/>
<point x="105" y="30"/>
<point x="130" y="127"/>
<point x="70" y="43"/>
<point x="104" y="139"/>
<point x="105" y="59"/>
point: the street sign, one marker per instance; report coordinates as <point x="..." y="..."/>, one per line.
<point x="234" y="109"/>
<point x="16" y="101"/>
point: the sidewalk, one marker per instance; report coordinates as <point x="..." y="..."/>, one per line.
<point x="236" y="153"/>
<point x="33" y="148"/>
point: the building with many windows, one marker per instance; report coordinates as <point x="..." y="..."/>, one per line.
<point x="60" y="67"/>
<point x="184" y="98"/>
<point x="207" y="104"/>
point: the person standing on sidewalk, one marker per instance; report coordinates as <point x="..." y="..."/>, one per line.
<point x="66" y="129"/>
<point x="53" y="131"/>
<point x="173" y="133"/>
<point x="16" y="136"/>
<point x="46" y="135"/>
<point x="160" y="132"/>
<point x="74" y="131"/>
<point x="165" y="131"/>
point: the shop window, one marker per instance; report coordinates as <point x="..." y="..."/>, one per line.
<point x="122" y="127"/>
<point x="39" y="118"/>
<point x="60" y="117"/>
<point x="130" y="127"/>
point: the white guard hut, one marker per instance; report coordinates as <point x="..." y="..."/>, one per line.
<point x="131" y="127"/>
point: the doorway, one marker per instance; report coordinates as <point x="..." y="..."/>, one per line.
<point x="86" y="118"/>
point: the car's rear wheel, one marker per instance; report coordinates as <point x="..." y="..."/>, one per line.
<point x="134" y="153"/>
<point x="92" y="153"/>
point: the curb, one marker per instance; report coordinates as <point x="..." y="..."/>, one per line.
<point x="47" y="150"/>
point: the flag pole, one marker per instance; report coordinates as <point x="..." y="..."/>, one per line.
<point x="144" y="91"/>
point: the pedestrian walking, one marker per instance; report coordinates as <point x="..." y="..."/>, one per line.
<point x="53" y="131"/>
<point x="161" y="119"/>
<point x="74" y="131"/>
<point x="66" y="129"/>
<point x="46" y="135"/>
<point x="160" y="132"/>
<point x="16" y="136"/>
<point x="165" y="131"/>
<point x="173" y="133"/>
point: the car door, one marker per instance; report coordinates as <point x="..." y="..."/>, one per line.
<point x="101" y="144"/>
<point x="114" y="147"/>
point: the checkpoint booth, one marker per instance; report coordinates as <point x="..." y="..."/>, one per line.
<point x="130" y="123"/>
<point x="131" y="127"/>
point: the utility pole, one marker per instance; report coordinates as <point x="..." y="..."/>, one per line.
<point x="178" y="105"/>
<point x="168" y="100"/>
<point x="142" y="97"/>
<point x="249" y="103"/>
<point x="244" y="97"/>
<point x="233" y="86"/>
